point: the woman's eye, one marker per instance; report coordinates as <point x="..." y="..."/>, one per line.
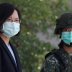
<point x="8" y="19"/>
<point x="16" y="20"/>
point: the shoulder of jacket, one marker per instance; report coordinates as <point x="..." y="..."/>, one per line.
<point x="50" y="64"/>
<point x="52" y="59"/>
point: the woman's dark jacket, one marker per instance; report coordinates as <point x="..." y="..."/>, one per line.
<point x="7" y="63"/>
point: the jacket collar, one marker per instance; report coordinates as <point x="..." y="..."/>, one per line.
<point x="17" y="57"/>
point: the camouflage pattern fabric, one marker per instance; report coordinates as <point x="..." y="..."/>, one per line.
<point x="51" y="64"/>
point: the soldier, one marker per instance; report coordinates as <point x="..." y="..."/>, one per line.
<point x="61" y="60"/>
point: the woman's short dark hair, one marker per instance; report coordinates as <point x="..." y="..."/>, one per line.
<point x="6" y="9"/>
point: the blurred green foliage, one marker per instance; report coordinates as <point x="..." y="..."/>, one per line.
<point x="37" y="15"/>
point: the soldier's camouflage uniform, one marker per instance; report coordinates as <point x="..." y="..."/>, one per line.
<point x="51" y="64"/>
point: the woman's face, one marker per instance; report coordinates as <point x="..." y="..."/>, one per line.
<point x="14" y="17"/>
<point x="11" y="26"/>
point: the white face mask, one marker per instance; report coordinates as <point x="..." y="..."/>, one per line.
<point x="10" y="28"/>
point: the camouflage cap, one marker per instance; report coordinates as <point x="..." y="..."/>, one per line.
<point x="65" y="21"/>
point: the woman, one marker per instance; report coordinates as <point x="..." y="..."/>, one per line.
<point x="9" y="27"/>
<point x="61" y="60"/>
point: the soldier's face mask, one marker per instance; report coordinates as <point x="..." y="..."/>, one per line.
<point x="67" y="37"/>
